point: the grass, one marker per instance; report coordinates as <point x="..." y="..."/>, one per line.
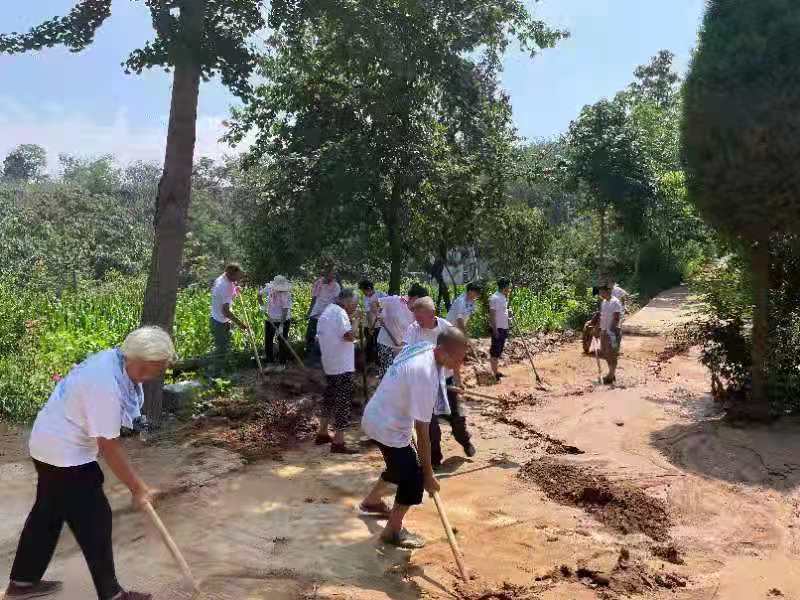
<point x="42" y="334"/>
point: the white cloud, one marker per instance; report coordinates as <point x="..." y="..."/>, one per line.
<point x="61" y="131"/>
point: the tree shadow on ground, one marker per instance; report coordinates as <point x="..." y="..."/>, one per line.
<point x="755" y="455"/>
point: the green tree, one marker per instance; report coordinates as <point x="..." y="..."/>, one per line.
<point x="197" y="39"/>
<point x="741" y="102"/>
<point x="26" y="162"/>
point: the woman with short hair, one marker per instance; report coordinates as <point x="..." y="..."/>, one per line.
<point x="82" y="419"/>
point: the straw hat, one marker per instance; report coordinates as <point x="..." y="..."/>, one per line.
<point x="280" y="284"/>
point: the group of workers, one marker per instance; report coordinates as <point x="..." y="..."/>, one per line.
<point x="419" y="357"/>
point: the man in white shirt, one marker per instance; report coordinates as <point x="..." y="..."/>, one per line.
<point x="395" y="317"/>
<point x="81" y="420"/>
<point x="371" y="310"/>
<point x="275" y="300"/>
<point x="463" y="307"/>
<point x="427" y="328"/>
<point x="222" y="318"/>
<point x="325" y="291"/>
<point x="403" y="404"/>
<point x="610" y="332"/>
<point x="336" y="342"/>
<point x="499" y="323"/>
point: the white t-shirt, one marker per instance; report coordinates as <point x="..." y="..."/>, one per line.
<point x="222" y="293"/>
<point x="499" y="304"/>
<point x="407" y="393"/>
<point x="607" y="311"/>
<point x="326" y="294"/>
<point x="87" y="404"/>
<point x="396" y="318"/>
<point x="276" y="302"/>
<point x="338" y="355"/>
<point x="415" y="334"/>
<point x="369" y="302"/>
<point x="461" y="308"/>
<point x="618" y="292"/>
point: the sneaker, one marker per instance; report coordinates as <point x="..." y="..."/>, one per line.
<point x="342" y="449"/>
<point x="404" y="539"/>
<point x="321" y="440"/>
<point x="134" y="596"/>
<point x="609" y="379"/>
<point x="37" y="590"/>
<point x="470" y="450"/>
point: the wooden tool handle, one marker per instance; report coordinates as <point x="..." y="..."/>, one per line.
<point x="297" y="358"/>
<point x="171" y="545"/>
<point x="464" y="392"/>
<point x="451" y="538"/>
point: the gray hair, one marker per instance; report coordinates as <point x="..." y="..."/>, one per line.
<point x="346" y="297"/>
<point x="150" y="344"/>
<point x="424" y="302"/>
<point x="452" y="336"/>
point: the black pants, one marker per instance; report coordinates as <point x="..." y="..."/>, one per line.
<point x="312" y="348"/>
<point x="403" y="470"/>
<point x="73" y="495"/>
<point x="337" y="400"/>
<point x="458" y="423"/>
<point x="270" y="331"/>
<point x="371" y="340"/>
<point x="498" y="343"/>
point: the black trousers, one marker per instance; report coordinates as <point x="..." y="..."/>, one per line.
<point x="458" y="423"/>
<point x="403" y="470"/>
<point x="73" y="495"/>
<point x="312" y="348"/>
<point x="270" y="333"/>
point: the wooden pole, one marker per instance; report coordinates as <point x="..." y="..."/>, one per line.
<point x="292" y="350"/>
<point x="250" y="334"/>
<point x="171" y="545"/>
<point x="464" y="392"/>
<point x="451" y="538"/>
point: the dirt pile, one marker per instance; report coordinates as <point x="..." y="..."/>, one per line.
<point x="507" y="591"/>
<point x="268" y="415"/>
<point x="617" y="505"/>
<point x="628" y="577"/>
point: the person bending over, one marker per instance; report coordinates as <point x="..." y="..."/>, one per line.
<point x="401" y="406"/>
<point x="81" y="420"/>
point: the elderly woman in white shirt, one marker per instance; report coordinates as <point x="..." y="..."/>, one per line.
<point x="81" y="420"/>
<point x="275" y="300"/>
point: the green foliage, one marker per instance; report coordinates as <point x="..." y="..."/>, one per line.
<point x="740" y="115"/>
<point x="26" y="162"/>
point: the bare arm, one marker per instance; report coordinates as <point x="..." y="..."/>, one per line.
<point x="615" y="322"/>
<point x="424" y="451"/>
<point x="462" y="326"/>
<point x="226" y="310"/>
<point x="117" y="459"/>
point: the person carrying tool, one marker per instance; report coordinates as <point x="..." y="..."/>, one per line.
<point x="427" y="327"/>
<point x="395" y="317"/>
<point x="499" y="324"/>
<point x="222" y="317"/>
<point x="81" y="420"/>
<point x="275" y="300"/>
<point x="590" y="327"/>
<point x="609" y="332"/>
<point x="336" y="342"/>
<point x="463" y="307"/>
<point x="371" y="310"/>
<point x="403" y="404"/>
<point x="324" y="292"/>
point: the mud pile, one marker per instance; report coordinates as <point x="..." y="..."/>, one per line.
<point x="617" y="505"/>
<point x="507" y="591"/>
<point x="538" y="441"/>
<point x="269" y="414"/>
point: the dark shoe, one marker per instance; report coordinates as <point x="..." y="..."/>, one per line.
<point x="404" y="539"/>
<point x="37" y="590"/>
<point x="321" y="440"/>
<point x="609" y="379"/>
<point x="343" y="449"/>
<point x="134" y="596"/>
<point x="470" y="450"/>
<point x="499" y="376"/>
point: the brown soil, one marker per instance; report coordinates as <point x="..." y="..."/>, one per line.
<point x="623" y="507"/>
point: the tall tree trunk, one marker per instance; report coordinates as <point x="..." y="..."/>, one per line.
<point x="396" y="254"/>
<point x="172" y="207"/>
<point x="759" y="403"/>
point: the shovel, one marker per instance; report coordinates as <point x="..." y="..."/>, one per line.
<point x="171" y="546"/>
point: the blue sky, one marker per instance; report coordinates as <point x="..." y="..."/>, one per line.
<point x="85" y="104"/>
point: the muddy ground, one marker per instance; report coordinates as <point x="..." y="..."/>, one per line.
<point x="578" y="492"/>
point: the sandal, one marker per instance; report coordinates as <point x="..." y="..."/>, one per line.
<point x="381" y="510"/>
<point x="404" y="539"/>
<point x="37" y="590"/>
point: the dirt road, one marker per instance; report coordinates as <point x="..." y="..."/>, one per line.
<point x="580" y="492"/>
